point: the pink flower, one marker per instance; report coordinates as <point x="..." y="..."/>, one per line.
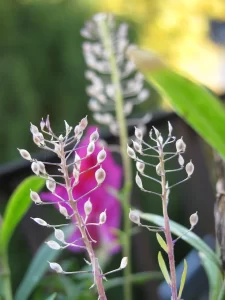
<point x="101" y="198"/>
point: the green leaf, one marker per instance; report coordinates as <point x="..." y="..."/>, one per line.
<point x="163" y="268"/>
<point x="183" y="278"/>
<point x="161" y="242"/>
<point x="222" y="292"/>
<point x="214" y="276"/>
<point x="200" y="108"/>
<point x="38" y="268"/>
<point x="138" y="278"/>
<point x="17" y="206"/>
<point x="191" y="238"/>
<point x="52" y="297"/>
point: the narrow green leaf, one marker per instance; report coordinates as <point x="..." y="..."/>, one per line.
<point x="183" y="278"/>
<point x="200" y="108"/>
<point x="161" y="242"/>
<point x="52" y="297"/>
<point x="38" y="268"/>
<point x="138" y="278"/>
<point x="191" y="238"/>
<point x="214" y="276"/>
<point x="163" y="268"/>
<point x="222" y="292"/>
<point x="17" y="206"/>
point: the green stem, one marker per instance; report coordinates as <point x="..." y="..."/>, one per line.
<point x="5" y="276"/>
<point x="122" y="126"/>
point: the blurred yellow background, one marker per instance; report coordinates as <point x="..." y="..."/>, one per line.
<point x="178" y="30"/>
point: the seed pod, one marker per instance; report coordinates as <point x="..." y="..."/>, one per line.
<point x="94" y="136"/>
<point x="140" y="166"/>
<point x="40" y="221"/>
<point x="181" y="160"/>
<point x="51" y="184"/>
<point x="87" y="207"/>
<point x="101" y="156"/>
<point x="25" y="154"/>
<point x="194" y="219"/>
<point x="59" y="235"/>
<point x="170" y="129"/>
<point x="63" y="211"/>
<point x="35" y="168"/>
<point x="134" y="217"/>
<point x="137" y="146"/>
<point x="100" y="175"/>
<point x="189" y="168"/>
<point x="138" y="181"/>
<point x="90" y="148"/>
<point x="138" y="133"/>
<point x="123" y="263"/>
<point x="102" y="218"/>
<point x="56" y="267"/>
<point x="131" y="152"/>
<point x="180" y="145"/>
<point x="35" y="197"/>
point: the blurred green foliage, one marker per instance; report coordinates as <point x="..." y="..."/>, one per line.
<point x="41" y="68"/>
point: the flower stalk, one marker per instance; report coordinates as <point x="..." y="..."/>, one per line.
<point x="123" y="136"/>
<point x="141" y="148"/>
<point x="167" y="231"/>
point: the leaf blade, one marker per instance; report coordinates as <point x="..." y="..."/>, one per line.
<point x="161" y="242"/>
<point x="183" y="278"/>
<point x="19" y="202"/>
<point x="189" y="99"/>
<point x="163" y="268"/>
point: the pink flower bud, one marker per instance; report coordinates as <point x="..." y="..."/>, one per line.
<point x="189" y="168"/>
<point x="87" y="207"/>
<point x="51" y="184"/>
<point x="131" y="152"/>
<point x="102" y="218"/>
<point x="25" y="154"/>
<point x="101" y="156"/>
<point x="138" y="133"/>
<point x="100" y="175"/>
<point x="35" y="168"/>
<point x="180" y="145"/>
<point x="35" y="197"/>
